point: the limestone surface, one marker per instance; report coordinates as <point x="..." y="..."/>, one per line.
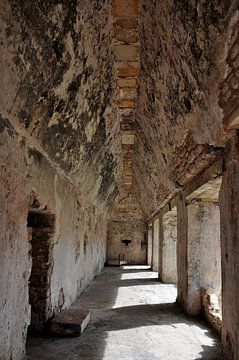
<point x="70" y="322"/>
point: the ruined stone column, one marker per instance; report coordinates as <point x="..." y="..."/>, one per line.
<point x="199" y="265"/>
<point x="150" y="245"/>
<point x="155" y="245"/>
<point x="229" y="209"/>
<point x="168" y="268"/>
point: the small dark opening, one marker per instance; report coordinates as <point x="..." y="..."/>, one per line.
<point x="40" y="219"/>
<point x="126" y="242"/>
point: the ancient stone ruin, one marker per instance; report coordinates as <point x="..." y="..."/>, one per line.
<point x="118" y="145"/>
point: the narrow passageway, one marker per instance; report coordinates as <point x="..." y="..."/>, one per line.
<point x="133" y="317"/>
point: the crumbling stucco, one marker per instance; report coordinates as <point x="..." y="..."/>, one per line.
<point x="57" y="86"/>
<point x="183" y="46"/>
<point x="79" y="239"/>
<point x="107" y="110"/>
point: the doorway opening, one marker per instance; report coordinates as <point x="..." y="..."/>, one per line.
<point x="41" y="225"/>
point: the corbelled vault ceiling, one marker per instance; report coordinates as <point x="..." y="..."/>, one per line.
<point x="125" y="97"/>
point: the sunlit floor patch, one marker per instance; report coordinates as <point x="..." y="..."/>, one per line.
<point x="175" y="342"/>
<point x="133" y="317"/>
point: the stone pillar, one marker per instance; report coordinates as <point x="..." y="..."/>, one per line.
<point x="229" y="209"/>
<point x="204" y="253"/>
<point x="168" y="241"/>
<point x="160" y="250"/>
<point x="150" y="245"/>
<point x="182" y="251"/>
<point x="210" y="247"/>
<point x="155" y="245"/>
<point x="200" y="262"/>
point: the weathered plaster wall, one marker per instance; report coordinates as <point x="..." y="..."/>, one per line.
<point x="210" y="251"/>
<point x="229" y="97"/>
<point x="168" y="270"/>
<point x="79" y="240"/>
<point x="58" y="84"/>
<point x="229" y="200"/>
<point x="183" y="46"/>
<point x="56" y="131"/>
<point x="135" y="251"/>
<point x="14" y="263"/>
<point x="202" y="251"/>
<point x="127" y="222"/>
<point x="69" y="132"/>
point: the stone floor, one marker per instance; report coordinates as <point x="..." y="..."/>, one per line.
<point x="134" y="317"/>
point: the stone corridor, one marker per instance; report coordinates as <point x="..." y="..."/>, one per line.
<point x="134" y="317"/>
<point x="119" y="145"/>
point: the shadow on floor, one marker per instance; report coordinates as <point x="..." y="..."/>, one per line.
<point x="132" y="332"/>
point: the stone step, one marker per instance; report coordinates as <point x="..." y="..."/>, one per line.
<point x="71" y="322"/>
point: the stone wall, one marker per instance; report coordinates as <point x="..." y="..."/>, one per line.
<point x="199" y="253"/>
<point x="168" y="270"/>
<point x="229" y="200"/>
<point x="183" y="47"/>
<point x="15" y="264"/>
<point x="106" y="110"/>
<point x="229" y="97"/>
<point x="204" y="252"/>
<point x="56" y="127"/>
<point x="79" y="242"/>
<point x="127" y="222"/>
<point x="135" y="251"/>
<point x="57" y="88"/>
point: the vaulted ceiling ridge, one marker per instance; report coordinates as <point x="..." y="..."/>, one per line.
<point x="127" y="63"/>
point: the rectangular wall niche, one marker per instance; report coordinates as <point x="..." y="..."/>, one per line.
<point x="41" y="226"/>
<point x="126" y="242"/>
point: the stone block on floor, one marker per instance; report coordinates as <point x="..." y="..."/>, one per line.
<point x="71" y="322"/>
